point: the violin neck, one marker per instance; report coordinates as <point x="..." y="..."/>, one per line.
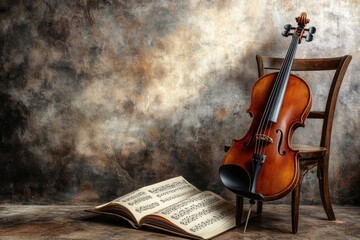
<point x="289" y="59"/>
<point x="278" y="91"/>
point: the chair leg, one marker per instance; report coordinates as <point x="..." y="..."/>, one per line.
<point x="324" y="191"/>
<point x="295" y="202"/>
<point x="239" y="209"/>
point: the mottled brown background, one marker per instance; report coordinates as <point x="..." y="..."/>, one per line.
<point x="101" y="97"/>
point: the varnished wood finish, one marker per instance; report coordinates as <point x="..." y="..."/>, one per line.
<point x="292" y="115"/>
<point x="313" y="156"/>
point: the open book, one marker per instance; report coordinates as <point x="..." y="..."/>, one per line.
<point x="175" y="206"/>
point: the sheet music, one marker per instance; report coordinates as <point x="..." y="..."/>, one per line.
<point x="152" y="198"/>
<point x="202" y="214"/>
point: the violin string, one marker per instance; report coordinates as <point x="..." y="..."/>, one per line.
<point x="260" y="146"/>
<point x="288" y="65"/>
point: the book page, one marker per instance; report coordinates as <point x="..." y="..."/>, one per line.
<point x="205" y="214"/>
<point x="152" y="198"/>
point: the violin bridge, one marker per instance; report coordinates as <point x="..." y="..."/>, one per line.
<point x="264" y="138"/>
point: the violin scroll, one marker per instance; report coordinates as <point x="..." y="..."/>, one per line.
<point x="302" y="20"/>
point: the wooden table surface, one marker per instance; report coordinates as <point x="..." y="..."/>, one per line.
<point x="72" y="222"/>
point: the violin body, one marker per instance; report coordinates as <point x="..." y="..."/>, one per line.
<point x="280" y="172"/>
<point x="262" y="165"/>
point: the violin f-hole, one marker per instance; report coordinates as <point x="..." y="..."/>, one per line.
<point x="282" y="153"/>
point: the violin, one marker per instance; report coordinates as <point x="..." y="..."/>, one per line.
<point x="262" y="165"/>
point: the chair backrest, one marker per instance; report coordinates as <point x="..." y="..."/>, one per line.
<point x="340" y="64"/>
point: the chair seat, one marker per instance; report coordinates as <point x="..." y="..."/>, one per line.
<point x="308" y="152"/>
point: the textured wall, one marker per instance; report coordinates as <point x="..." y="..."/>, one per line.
<point x="101" y="97"/>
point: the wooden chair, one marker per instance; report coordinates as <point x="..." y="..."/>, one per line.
<point x="310" y="156"/>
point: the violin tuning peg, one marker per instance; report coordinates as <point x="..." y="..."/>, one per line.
<point x="312" y="30"/>
<point x="286" y="33"/>
<point x="309" y="37"/>
<point x="287" y="27"/>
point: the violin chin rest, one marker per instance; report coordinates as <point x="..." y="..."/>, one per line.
<point x="238" y="180"/>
